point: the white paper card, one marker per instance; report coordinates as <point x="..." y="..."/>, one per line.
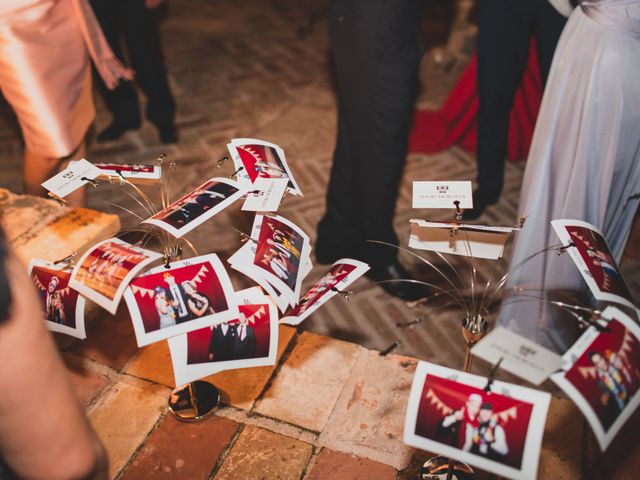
<point x="442" y="194"/>
<point x="520" y="356"/>
<point x="76" y="175"/>
<point x="267" y="195"/>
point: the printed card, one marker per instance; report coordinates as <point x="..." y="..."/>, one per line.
<point x="75" y="176"/>
<point x="442" y="194"/>
<point x="601" y="374"/>
<point x="266" y="195"/>
<point x="63" y="306"/>
<point x="197" y="207"/>
<point x="193" y="293"/>
<point x="500" y="431"/>
<point x="256" y="158"/>
<point x="249" y="340"/>
<point x="105" y="270"/>
<point x="478" y="241"/>
<point x="593" y="258"/>
<point x="519" y="355"/>
<point x="341" y="274"/>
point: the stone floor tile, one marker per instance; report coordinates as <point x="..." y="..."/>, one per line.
<point x="182" y="450"/>
<point x="561" y="453"/>
<point x="259" y="454"/>
<point x="308" y="384"/>
<point x="111" y="341"/>
<point x="368" y="419"/>
<point x="123" y="417"/>
<point x="85" y="382"/>
<point x="332" y="465"/>
<point x="152" y="362"/>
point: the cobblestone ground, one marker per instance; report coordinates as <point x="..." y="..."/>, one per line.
<point x="257" y="69"/>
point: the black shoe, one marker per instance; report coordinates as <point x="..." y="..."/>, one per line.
<point x="115" y="130"/>
<point x="480" y="202"/>
<point x="167" y="134"/>
<point x="392" y="277"/>
<point x="327" y="257"/>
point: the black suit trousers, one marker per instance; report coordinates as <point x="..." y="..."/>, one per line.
<point x="376" y="46"/>
<point x="504" y="31"/>
<point x="131" y="21"/>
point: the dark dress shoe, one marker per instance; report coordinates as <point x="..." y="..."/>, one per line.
<point x="480" y="202"/>
<point x="167" y="134"/>
<point x="115" y="130"/>
<point x="393" y="281"/>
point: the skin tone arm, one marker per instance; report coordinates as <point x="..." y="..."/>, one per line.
<point x="43" y="431"/>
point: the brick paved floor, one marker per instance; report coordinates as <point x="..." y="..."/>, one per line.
<point x="243" y="69"/>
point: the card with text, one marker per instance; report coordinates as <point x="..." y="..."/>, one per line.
<point x="442" y="194"/>
<point x="75" y="176"/>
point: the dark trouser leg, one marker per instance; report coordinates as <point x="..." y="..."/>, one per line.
<point x="548" y="30"/>
<point x="504" y="29"/>
<point x="377" y="48"/>
<point x="143" y="44"/>
<point x="122" y="101"/>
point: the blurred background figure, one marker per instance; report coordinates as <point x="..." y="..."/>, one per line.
<point x="43" y="431"/>
<point x="45" y="77"/>
<point x="134" y="22"/>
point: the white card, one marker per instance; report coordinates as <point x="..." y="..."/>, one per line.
<point x="75" y="176"/>
<point x="520" y="356"/>
<point x="477" y="241"/>
<point x="131" y="172"/>
<point x="266" y="195"/>
<point x="442" y="194"/>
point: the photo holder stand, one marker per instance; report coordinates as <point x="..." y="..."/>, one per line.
<point x="194" y="401"/>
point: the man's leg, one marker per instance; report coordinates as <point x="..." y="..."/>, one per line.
<point x="377" y="49"/>
<point x="145" y="51"/>
<point x="504" y="29"/>
<point x="122" y="101"/>
<point x="548" y="30"/>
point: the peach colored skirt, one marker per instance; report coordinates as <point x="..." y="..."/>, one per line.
<point x="45" y="73"/>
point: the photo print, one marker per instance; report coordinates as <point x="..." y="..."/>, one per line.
<point x="63" y="307"/>
<point x="500" y="431"/>
<point x="192" y="293"/>
<point x="132" y="173"/>
<point x="478" y="241"/>
<point x="259" y="159"/>
<point x="197" y="207"/>
<point x="278" y="254"/>
<point x="601" y="374"/>
<point x="341" y="274"/>
<point x="248" y="340"/>
<point x="105" y="270"/>
<point x="593" y="258"/>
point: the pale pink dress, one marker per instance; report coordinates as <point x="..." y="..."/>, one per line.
<point x="45" y="70"/>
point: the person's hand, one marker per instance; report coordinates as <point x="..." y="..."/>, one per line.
<point x="152" y="3"/>
<point x="488" y="436"/>
<point x="458" y="415"/>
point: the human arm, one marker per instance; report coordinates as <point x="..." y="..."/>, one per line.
<point x="499" y="443"/>
<point x="43" y="431"/>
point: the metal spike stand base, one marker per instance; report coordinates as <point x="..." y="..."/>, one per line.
<point x="437" y="468"/>
<point x="194" y="401"/>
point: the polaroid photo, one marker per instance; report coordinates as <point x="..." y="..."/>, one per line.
<point x="249" y="340"/>
<point x="593" y="258"/>
<point x="197" y="206"/>
<point x="260" y="159"/>
<point x="500" y="431"/>
<point x="478" y="241"/>
<point x="242" y="262"/>
<point x="63" y="306"/>
<point x="279" y="252"/>
<point x="133" y="173"/>
<point x="193" y="293"/>
<point x="104" y="271"/>
<point x="341" y="274"/>
<point x="76" y="175"/>
<point x="601" y="374"/>
<point x="266" y="195"/>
